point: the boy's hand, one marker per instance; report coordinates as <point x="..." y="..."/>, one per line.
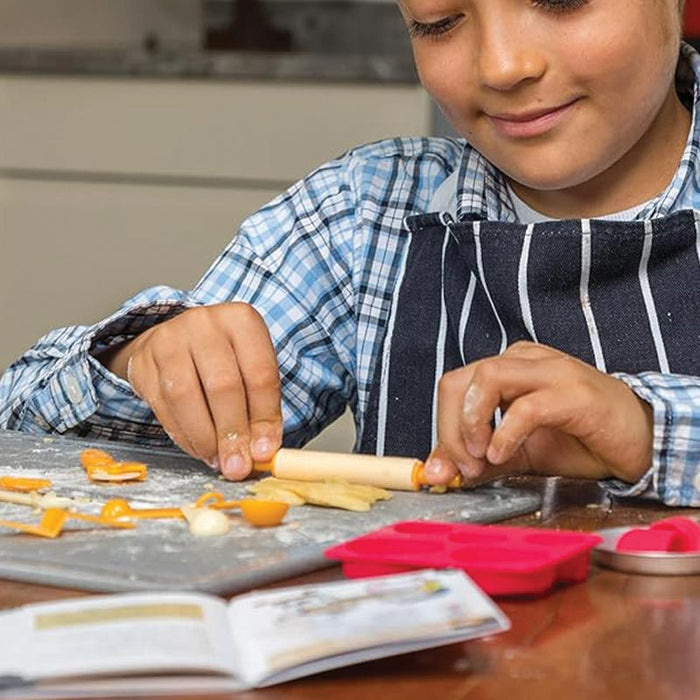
<point x="210" y="376"/>
<point x="560" y="417"/>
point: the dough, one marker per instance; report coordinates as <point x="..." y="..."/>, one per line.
<point x="333" y="494"/>
<point x="52" y="500"/>
<point x="205" y="522"/>
<point x="37" y="500"/>
<point x="98" y="474"/>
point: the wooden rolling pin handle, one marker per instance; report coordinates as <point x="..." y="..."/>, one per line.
<point x="309" y="465"/>
<point x="401" y="473"/>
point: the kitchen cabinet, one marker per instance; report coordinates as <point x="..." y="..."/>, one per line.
<point x="109" y="185"/>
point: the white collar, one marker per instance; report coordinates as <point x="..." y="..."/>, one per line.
<point x="527" y="215"/>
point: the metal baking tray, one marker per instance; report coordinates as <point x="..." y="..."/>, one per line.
<point x="162" y="554"/>
<point x="654" y="563"/>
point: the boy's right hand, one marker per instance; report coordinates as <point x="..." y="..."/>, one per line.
<point x="210" y="376"/>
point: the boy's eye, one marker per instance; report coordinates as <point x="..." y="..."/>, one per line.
<point x="560" y="5"/>
<point x="432" y="29"/>
<point x="443" y="26"/>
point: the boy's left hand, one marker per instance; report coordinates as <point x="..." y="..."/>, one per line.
<point x="561" y="417"/>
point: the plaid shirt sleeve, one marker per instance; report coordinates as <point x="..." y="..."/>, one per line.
<point x="674" y="476"/>
<point x="58" y="387"/>
<point x="284" y="262"/>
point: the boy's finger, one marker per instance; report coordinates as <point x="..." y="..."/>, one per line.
<point x="512" y="376"/>
<point x="476" y="417"/>
<point x="188" y="407"/>
<point x="223" y="388"/>
<point x="449" y="436"/>
<point x="498" y="382"/>
<point x="514" y="429"/>
<point x="451" y="446"/>
<point x="528" y="350"/>
<point x="439" y="468"/>
<point x="547" y="409"/>
<point x="170" y="426"/>
<point x="442" y="466"/>
<point x="257" y="361"/>
<point x="181" y="408"/>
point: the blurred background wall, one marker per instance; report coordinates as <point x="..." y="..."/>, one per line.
<point x="136" y="135"/>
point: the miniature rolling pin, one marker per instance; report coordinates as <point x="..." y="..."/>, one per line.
<point x="397" y="473"/>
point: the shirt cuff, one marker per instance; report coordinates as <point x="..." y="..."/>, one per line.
<point x="82" y="390"/>
<point x="674" y="475"/>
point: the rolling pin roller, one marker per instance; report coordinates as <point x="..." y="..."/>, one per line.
<point x="397" y="473"/>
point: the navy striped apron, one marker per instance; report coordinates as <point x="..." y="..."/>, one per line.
<point x="622" y="296"/>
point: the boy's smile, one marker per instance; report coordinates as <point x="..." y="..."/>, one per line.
<point x="573" y="100"/>
<point x="530" y="123"/>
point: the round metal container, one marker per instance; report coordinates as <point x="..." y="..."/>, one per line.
<point x="655" y="563"/>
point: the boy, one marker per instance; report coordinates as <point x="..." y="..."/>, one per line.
<point x="433" y="284"/>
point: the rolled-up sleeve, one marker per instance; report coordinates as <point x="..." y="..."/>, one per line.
<point x="57" y="386"/>
<point x="674" y="475"/>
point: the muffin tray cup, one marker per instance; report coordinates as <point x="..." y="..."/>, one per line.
<point x="668" y="547"/>
<point x="676" y="534"/>
<point x="501" y="560"/>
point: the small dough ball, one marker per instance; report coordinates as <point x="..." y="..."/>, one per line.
<point x="205" y="522"/>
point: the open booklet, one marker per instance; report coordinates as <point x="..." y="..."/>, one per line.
<point x="164" y="642"/>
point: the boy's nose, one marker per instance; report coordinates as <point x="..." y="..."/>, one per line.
<point x="506" y="55"/>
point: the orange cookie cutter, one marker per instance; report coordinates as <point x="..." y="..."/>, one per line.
<point x="117" y="508"/>
<point x="100" y="466"/>
<point x="257" y="512"/>
<point x="23" y="484"/>
<point x="53" y="520"/>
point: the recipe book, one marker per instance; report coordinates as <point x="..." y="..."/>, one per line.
<point x="151" y="643"/>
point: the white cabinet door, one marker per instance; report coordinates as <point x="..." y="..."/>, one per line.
<point x="245" y="132"/>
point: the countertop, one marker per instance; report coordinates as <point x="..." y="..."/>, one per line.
<point x="613" y="636"/>
<point x="214" y="65"/>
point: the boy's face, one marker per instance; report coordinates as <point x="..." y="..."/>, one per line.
<point x="553" y="92"/>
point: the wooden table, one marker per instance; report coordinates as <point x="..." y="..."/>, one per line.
<point x="614" y="636"/>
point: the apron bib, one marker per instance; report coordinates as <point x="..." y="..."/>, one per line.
<point x="622" y="296"/>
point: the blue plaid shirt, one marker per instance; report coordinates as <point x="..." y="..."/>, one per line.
<point x="320" y="264"/>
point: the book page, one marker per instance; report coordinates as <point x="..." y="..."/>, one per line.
<point x="130" y="633"/>
<point x="315" y="627"/>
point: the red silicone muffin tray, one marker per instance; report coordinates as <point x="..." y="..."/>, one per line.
<point x="501" y="560"/>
